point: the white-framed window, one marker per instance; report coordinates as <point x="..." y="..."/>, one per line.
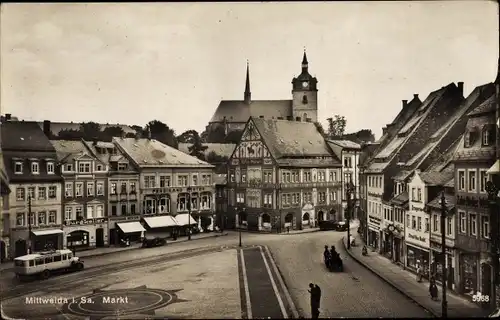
<point x="463" y="222"/>
<point x="123" y="187"/>
<point x="473" y="224"/>
<point x="52" y="192"/>
<point x="90" y="212"/>
<point x="182" y="202"/>
<point x="20" y="219"/>
<point x="206" y="179"/>
<point x="42" y="193"/>
<point x="52" y="217"/>
<point x="165" y="181"/>
<point x="68" y="213"/>
<point x="50" y="168"/>
<point x="42" y="218"/>
<point x="31" y="193"/>
<point x="449" y="226"/>
<point x="182" y="181"/>
<point x="18" y="167"/>
<point x="20" y="194"/>
<point x="122" y="166"/>
<point x="79" y="189"/>
<point x="419" y="223"/>
<point x="435" y="223"/>
<point x="408" y="221"/>
<point x="461" y="180"/>
<point x="483" y="176"/>
<point x="268" y="177"/>
<point x="79" y="213"/>
<point x="35" y="168"/>
<point x="149" y="182"/>
<point x="485" y="227"/>
<point x="472" y="180"/>
<point x="333" y="176"/>
<point x="84" y="167"/>
<point x="69" y="167"/>
<point x="133" y="189"/>
<point x="205" y="203"/>
<point x="486" y="137"/>
<point x="426" y="225"/>
<point x="413" y="222"/>
<point x="68" y="189"/>
<point x="419" y="194"/>
<point x="99" y="212"/>
<point x="333" y="197"/>
<point x="113" y="188"/>
<point x="99" y="167"/>
<point x="413" y="194"/>
<point x="321" y="176"/>
<point x="90" y="189"/>
<point x="240" y="197"/>
<point x="100" y="188"/>
<point x="32" y="219"/>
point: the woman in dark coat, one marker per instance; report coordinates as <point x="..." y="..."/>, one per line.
<point x="433" y="290"/>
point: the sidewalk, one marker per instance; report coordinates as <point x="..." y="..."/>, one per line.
<point x="115" y="249"/>
<point x="405" y="282"/>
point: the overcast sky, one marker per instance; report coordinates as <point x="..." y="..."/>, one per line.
<point x="131" y="63"/>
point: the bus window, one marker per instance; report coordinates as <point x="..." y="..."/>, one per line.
<point x="65" y="257"/>
<point x="70" y="255"/>
<point x="19" y="263"/>
<point x="48" y="259"/>
<point x="32" y="263"/>
<point x="57" y="258"/>
<point x="39" y="261"/>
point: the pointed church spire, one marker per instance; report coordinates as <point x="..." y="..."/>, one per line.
<point x="305" y="64"/>
<point x="248" y="94"/>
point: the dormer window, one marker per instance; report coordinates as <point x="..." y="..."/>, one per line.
<point x="99" y="167"/>
<point x="35" y="168"/>
<point x="50" y="167"/>
<point x="467" y="140"/>
<point x="18" y="167"/>
<point x="84" y="167"/>
<point x="122" y="166"/>
<point x="486" y="139"/>
<point x="69" y="167"/>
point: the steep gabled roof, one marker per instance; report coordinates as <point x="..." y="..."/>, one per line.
<point x="68" y="150"/>
<point x="240" y="111"/>
<point x="292" y="138"/>
<point x="24" y="136"/>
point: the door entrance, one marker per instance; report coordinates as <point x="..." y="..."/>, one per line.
<point x="113" y="237"/>
<point x="3" y="253"/>
<point x="99" y="237"/>
<point x="21" y="248"/>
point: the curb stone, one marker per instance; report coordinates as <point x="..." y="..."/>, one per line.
<point x="132" y="248"/>
<point x="385" y="279"/>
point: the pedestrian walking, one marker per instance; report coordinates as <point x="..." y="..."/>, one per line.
<point x="318" y="298"/>
<point x="314" y="301"/>
<point x="433" y="290"/>
<point x="419" y="273"/>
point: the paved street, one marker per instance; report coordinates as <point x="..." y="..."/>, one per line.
<point x="205" y="286"/>
<point x="355" y="293"/>
<point x="405" y="281"/>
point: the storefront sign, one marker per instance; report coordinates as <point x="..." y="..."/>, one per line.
<point x="84" y="222"/>
<point x="437" y="240"/>
<point x="417" y="238"/>
<point x="437" y="247"/>
<point x="251" y="161"/>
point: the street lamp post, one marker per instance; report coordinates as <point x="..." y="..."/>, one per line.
<point x="348" y="211"/>
<point x="444" y="304"/>
<point x="189" y="212"/>
<point x="493" y="192"/>
<point x="30" y="245"/>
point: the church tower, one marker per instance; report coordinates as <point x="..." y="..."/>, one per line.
<point x="305" y="95"/>
<point x="248" y="94"/>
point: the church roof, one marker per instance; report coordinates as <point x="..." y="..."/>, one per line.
<point x="239" y="111"/>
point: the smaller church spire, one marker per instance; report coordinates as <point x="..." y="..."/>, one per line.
<point x="248" y="94"/>
<point x="305" y="64"/>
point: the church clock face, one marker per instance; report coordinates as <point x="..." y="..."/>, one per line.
<point x="304" y="84"/>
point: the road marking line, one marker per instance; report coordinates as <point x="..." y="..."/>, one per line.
<point x="283" y="286"/>
<point x="245" y="284"/>
<point x="275" y="288"/>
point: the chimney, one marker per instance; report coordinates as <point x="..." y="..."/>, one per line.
<point x="8" y="116"/>
<point x="46" y="128"/>
<point x="460" y="86"/>
<point x="415" y="96"/>
<point x="405" y="103"/>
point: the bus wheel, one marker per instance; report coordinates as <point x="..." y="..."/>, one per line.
<point x="46" y="274"/>
<point x="79" y="266"/>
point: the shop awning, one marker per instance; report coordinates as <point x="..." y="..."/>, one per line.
<point x="46" y="232"/>
<point x="183" y="219"/>
<point x="160" y="222"/>
<point x="130" y="227"/>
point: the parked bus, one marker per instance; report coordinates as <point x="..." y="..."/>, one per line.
<point x="44" y="264"/>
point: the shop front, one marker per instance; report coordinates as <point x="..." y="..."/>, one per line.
<point x="468" y="264"/>
<point x="417" y="251"/>
<point x="392" y="248"/>
<point x="184" y="223"/>
<point x="131" y="224"/>
<point x="86" y="233"/>
<point x="436" y="265"/>
<point x="374" y="232"/>
<point x="47" y="239"/>
<point x="159" y="226"/>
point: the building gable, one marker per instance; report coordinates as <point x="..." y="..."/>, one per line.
<point x="251" y="148"/>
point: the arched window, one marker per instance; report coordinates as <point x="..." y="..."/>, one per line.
<point x="164" y="206"/>
<point x="206" y="201"/>
<point x="304" y="99"/>
<point x="182" y="200"/>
